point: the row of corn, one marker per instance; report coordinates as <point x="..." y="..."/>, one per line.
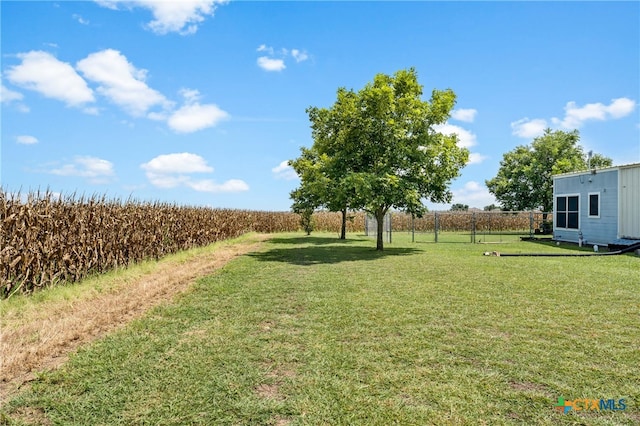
<point x="46" y="239"/>
<point x="494" y="221"/>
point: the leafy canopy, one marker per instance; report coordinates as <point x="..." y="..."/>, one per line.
<point x="376" y="149"/>
<point x="400" y="158"/>
<point x="524" y="180"/>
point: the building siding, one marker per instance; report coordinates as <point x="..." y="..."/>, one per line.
<point x="630" y="202"/>
<point x="595" y="230"/>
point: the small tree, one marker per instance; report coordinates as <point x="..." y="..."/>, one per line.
<point x="306" y="219"/>
<point x="332" y="135"/>
<point x="309" y="195"/>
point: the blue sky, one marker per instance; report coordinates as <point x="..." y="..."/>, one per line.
<point x="202" y="102"/>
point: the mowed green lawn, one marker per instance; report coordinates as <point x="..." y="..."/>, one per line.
<point x="317" y="331"/>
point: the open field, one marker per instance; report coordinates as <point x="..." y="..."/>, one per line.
<point x="313" y="330"/>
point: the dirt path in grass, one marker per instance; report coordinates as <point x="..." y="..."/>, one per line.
<point x="43" y="339"/>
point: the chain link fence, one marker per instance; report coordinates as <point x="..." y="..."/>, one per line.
<point x="371" y="227"/>
<point x="466" y="227"/>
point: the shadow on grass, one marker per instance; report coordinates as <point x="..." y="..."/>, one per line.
<point x="328" y="254"/>
<point x="310" y="239"/>
<point x="547" y="242"/>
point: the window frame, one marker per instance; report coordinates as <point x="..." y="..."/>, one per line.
<point x="566" y="212"/>
<point x="596" y="216"/>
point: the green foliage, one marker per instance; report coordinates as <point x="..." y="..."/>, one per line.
<point x="524" y="180"/>
<point x="458" y="207"/>
<point x="491" y="207"/>
<point x="306" y="220"/>
<point x="376" y="149"/>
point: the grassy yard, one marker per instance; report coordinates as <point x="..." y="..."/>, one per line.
<point x="317" y="331"/>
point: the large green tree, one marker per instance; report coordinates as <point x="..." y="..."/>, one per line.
<point x="377" y="148"/>
<point x="524" y="180"/>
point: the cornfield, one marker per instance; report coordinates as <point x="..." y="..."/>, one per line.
<point x="46" y="239"/>
<point x="464" y="221"/>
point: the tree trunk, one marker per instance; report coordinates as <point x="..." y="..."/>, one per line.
<point x="380" y="219"/>
<point x="343" y="231"/>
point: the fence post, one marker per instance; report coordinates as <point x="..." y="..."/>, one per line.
<point x="473" y="228"/>
<point x="366" y="224"/>
<point x="435" y="224"/>
<point x="531" y="225"/>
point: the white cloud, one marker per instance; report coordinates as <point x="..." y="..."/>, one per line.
<point x="167" y="181"/>
<point x="284" y="171"/>
<point x="476" y="158"/>
<point x="576" y="116"/>
<point x="42" y="72"/>
<point x="466" y="115"/>
<point x="526" y="128"/>
<point x="190" y="95"/>
<point x="80" y="19"/>
<point x="182" y="16"/>
<point x="95" y="169"/>
<point x="621" y="107"/>
<point x="109" y="4"/>
<point x="269" y="64"/>
<point x="466" y="139"/>
<point x="265" y="48"/>
<point x="276" y="59"/>
<point x="26" y="140"/>
<point x="184" y="162"/>
<point x="175" y="170"/>
<point x="207" y="185"/>
<point x="473" y="194"/>
<point x="118" y="80"/>
<point x="193" y="116"/>
<point x="7" y="95"/>
<point x="121" y="82"/>
<point x="157" y="116"/>
<point x="299" y="56"/>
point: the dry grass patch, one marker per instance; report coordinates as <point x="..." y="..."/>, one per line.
<point x="40" y="336"/>
<point x="268" y="391"/>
